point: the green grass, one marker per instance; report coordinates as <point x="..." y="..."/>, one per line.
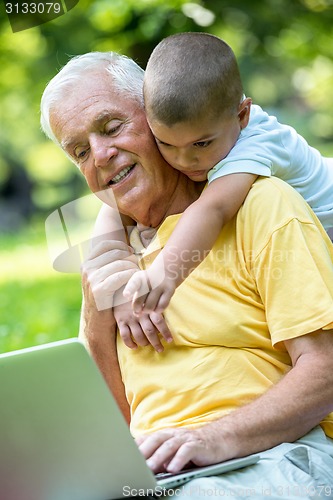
<point x="37" y="304"/>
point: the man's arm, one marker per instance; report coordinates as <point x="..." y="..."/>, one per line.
<point x="98" y="333"/>
<point x="108" y="268"/>
<point x="285" y="412"/>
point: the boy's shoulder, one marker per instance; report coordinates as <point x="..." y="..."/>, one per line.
<point x="261" y="120"/>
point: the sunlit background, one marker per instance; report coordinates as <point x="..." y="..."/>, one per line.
<point x="285" y="53"/>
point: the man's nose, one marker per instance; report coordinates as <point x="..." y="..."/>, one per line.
<point x="103" y="150"/>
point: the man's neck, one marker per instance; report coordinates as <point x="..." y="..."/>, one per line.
<point x="185" y="193"/>
<point x="146" y="234"/>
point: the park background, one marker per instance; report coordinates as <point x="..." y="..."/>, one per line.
<point x="285" y="54"/>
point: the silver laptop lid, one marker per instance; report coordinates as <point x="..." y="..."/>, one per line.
<point x="62" y="436"/>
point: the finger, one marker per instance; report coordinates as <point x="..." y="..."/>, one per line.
<point x="113" y="275"/>
<point x="138" y="304"/>
<point x="107" y="258"/>
<point x="133" y="258"/>
<point x="148" y="444"/>
<point x="137" y="286"/>
<point x="174" y="447"/>
<point x="132" y="286"/>
<point x="140" y="439"/>
<point x="119" y="298"/>
<point x="151" y="301"/>
<point x="183" y="455"/>
<point x="104" y="268"/>
<point x="109" y="278"/>
<point x="138" y="334"/>
<point x="151" y="333"/>
<point x="108" y="245"/>
<point x="125" y="334"/>
<point x="174" y="453"/>
<point x="103" y="292"/>
<point x="165" y="453"/>
<point x="163" y="301"/>
<point x="159" y="321"/>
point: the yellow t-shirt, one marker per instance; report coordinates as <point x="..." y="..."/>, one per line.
<point x="263" y="282"/>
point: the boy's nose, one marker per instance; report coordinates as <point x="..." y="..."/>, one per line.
<point x="184" y="159"/>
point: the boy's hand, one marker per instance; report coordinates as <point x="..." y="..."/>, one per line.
<point x="147" y="296"/>
<point x="141" y="331"/>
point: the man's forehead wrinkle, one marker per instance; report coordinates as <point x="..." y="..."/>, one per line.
<point x="98" y="120"/>
<point x="104" y="115"/>
<point x="101" y="116"/>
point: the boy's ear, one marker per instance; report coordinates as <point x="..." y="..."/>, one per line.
<point x="244" y="112"/>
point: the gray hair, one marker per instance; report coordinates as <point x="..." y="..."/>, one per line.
<point x="127" y="78"/>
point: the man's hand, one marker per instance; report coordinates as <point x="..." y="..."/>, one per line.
<point x="109" y="267"/>
<point x="172" y="449"/>
<point x="141" y="331"/>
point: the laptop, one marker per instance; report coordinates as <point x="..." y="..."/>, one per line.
<point x="63" y="437"/>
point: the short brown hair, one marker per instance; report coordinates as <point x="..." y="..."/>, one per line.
<point x="191" y="74"/>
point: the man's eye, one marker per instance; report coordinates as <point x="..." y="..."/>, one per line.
<point x="112" y="128"/>
<point x="80" y="154"/>
<point x="202" y="144"/>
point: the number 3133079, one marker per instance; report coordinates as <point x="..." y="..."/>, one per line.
<point x="33" y="8"/>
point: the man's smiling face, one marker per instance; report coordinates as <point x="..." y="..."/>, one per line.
<point x="106" y="134"/>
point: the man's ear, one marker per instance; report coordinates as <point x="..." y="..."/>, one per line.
<point x="244" y="112"/>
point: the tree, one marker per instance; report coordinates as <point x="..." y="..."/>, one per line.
<point x="284" y="50"/>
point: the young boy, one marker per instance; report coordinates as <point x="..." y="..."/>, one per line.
<point x="206" y="128"/>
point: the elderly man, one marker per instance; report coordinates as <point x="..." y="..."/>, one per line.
<point x="250" y="366"/>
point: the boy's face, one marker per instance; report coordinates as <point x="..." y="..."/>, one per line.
<point x="195" y="147"/>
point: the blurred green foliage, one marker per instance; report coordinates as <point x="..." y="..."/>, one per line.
<point x="37" y="304"/>
<point x="284" y="49"/>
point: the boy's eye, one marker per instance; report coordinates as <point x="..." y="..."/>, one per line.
<point x="161" y="143"/>
<point x="202" y="144"/>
